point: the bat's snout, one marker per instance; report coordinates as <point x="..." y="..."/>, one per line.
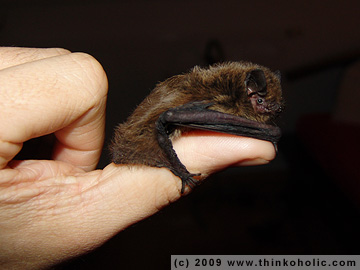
<point x="276" y="108"/>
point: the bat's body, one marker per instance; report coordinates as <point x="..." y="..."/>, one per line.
<point x="238" y="98"/>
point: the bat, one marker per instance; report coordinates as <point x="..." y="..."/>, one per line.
<point x="238" y="98"/>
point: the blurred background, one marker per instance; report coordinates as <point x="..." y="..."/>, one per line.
<point x="304" y="202"/>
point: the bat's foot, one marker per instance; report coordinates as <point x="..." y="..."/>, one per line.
<point x="189" y="180"/>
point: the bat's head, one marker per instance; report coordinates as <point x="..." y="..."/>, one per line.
<point x="241" y="88"/>
<point x="264" y="93"/>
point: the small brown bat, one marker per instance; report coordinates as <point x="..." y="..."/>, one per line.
<point x="238" y="98"/>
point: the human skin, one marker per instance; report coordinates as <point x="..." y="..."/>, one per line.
<point x="52" y="210"/>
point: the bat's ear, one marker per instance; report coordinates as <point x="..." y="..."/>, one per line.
<point x="255" y="82"/>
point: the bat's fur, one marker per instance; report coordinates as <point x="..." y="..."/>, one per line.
<point x="135" y="141"/>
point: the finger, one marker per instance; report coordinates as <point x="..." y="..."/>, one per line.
<point x="12" y="56"/>
<point x="64" y="94"/>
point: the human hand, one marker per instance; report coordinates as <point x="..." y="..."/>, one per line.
<point x="52" y="210"/>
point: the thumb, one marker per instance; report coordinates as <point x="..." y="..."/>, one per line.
<point x="67" y="212"/>
<point x="139" y="191"/>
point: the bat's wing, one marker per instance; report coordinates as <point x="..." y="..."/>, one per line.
<point x="197" y="115"/>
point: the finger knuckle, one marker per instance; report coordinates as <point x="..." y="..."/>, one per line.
<point x="94" y="74"/>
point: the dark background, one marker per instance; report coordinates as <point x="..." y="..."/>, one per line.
<point x="306" y="200"/>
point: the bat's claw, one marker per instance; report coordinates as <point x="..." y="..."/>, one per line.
<point x="189" y="180"/>
<point x="276" y="147"/>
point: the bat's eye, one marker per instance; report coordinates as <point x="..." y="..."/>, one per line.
<point x="260" y="101"/>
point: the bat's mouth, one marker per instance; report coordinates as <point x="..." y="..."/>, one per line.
<point x="274" y="108"/>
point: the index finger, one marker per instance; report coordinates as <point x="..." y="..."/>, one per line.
<point x="13" y="56"/>
<point x="65" y="95"/>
